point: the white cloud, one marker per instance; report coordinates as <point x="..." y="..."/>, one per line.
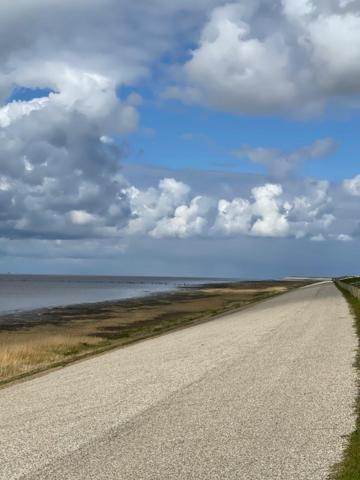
<point x="234" y="217"/>
<point x="232" y="68"/>
<point x="187" y="221"/>
<point x="61" y="177"/>
<point x="81" y="217"/>
<point x="12" y="111"/>
<point x="272" y="213"/>
<point x="271" y="222"/>
<point x="352" y="186"/>
<point x="298" y="8"/>
<point x="344" y="237"/>
<point x="250" y="56"/>
<point x="57" y="152"/>
<point x="291" y="57"/>
<point x="4" y="184"/>
<point x="313" y="204"/>
<point x="318" y="238"/>
<point x="54" y="160"/>
<point x="333" y="42"/>
<point x="117" y="39"/>
<point x="150" y="206"/>
<point x="60" y="174"/>
<point x="164" y="212"/>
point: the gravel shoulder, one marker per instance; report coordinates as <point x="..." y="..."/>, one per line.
<point x="263" y="393"/>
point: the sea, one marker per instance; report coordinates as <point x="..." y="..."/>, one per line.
<point x="21" y="293"/>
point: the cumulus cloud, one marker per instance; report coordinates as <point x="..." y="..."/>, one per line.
<point x="61" y="179"/>
<point x="272" y="222"/>
<point x="60" y="168"/>
<point x="289" y="56"/>
<point x="249" y="56"/>
<point x="314" y="208"/>
<point x="60" y="155"/>
<point x="57" y="173"/>
<point x="280" y="163"/>
<point x="167" y="211"/>
<point x="234" y="216"/>
<point x="150" y="206"/>
<point x="352" y="186"/>
<point x="115" y="38"/>
<point x="187" y="220"/>
<point x="171" y="210"/>
<point x="271" y="213"/>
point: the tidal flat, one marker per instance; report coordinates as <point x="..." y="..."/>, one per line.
<point x="33" y="342"/>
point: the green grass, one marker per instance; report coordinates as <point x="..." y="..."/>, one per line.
<point x="351" y="280"/>
<point x="349" y="468"/>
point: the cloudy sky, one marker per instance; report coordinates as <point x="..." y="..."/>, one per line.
<point x="180" y="137"/>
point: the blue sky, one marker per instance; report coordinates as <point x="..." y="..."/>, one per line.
<point x="194" y="138"/>
<point x="171" y="134"/>
<point x="186" y="136"/>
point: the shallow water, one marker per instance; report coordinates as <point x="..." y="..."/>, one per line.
<point x="29" y="292"/>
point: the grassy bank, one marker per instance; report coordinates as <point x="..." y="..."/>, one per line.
<point x="36" y="341"/>
<point x="349" y="468"/>
<point x="351" y="281"/>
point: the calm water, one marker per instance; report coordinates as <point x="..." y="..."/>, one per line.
<point x="29" y="292"/>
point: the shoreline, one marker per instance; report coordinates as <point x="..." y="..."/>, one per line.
<point x="61" y="335"/>
<point x="56" y="311"/>
<point x="26" y="317"/>
<point x="53" y="310"/>
<point x="27" y="312"/>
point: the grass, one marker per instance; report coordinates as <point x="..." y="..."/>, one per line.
<point x="62" y="335"/>
<point x="349" y="468"/>
<point x="20" y="354"/>
<point x="351" y="280"/>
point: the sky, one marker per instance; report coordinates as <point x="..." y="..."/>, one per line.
<point x="177" y="137"/>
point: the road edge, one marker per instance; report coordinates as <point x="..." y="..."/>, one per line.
<point x="349" y="467"/>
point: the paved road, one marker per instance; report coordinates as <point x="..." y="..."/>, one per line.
<point x="263" y="394"/>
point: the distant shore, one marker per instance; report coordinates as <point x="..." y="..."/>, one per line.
<point x="32" y="342"/>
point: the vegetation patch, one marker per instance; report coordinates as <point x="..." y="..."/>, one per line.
<point x="36" y="341"/>
<point x="352" y="281"/>
<point x="349" y="468"/>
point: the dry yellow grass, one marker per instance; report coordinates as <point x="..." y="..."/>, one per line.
<point x="22" y="353"/>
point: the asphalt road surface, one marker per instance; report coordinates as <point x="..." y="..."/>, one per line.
<point x="263" y="394"/>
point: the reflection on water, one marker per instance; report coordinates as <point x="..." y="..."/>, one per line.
<point x="28" y="292"/>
